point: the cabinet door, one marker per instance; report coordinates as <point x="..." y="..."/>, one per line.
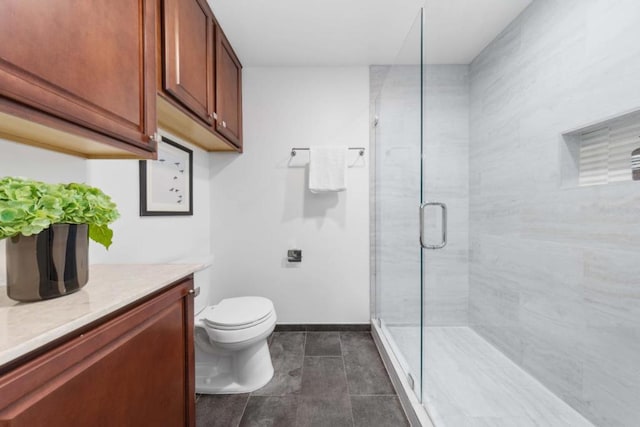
<point x="188" y="55"/>
<point x="228" y="91"/>
<point x="134" y="370"/>
<point x="89" y="63"/>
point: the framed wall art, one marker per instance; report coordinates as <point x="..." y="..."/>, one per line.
<point x="166" y="184"/>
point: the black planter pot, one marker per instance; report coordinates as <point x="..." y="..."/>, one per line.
<point x="50" y="264"/>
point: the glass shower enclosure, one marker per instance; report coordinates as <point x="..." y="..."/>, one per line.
<point x="420" y="138"/>
<point x="505" y="220"/>
<point x="398" y="274"/>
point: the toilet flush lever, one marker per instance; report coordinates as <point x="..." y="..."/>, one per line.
<point x="195" y="292"/>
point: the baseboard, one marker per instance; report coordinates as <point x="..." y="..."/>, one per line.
<point x="324" y="327"/>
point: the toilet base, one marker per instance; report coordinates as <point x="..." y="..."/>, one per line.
<point x="242" y="371"/>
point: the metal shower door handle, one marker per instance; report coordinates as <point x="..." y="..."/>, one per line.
<point x="444" y="225"/>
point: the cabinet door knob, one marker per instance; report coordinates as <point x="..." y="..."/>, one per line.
<point x="224" y="124"/>
<point x="215" y="115"/>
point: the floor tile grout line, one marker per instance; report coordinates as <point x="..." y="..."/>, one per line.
<point x="373" y="395"/>
<point x="346" y="379"/>
<point x="304" y="350"/>
<point x="344" y="365"/>
<point x="353" y="420"/>
<point x="337" y="355"/>
<point x="297" y="397"/>
<point x="246" y="403"/>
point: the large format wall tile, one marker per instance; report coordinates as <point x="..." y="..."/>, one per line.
<point x="553" y="272"/>
<point x="396" y="98"/>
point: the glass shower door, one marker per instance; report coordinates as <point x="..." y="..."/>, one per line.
<point x="397" y="94"/>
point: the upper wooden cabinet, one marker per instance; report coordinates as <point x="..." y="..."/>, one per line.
<point x="201" y="77"/>
<point x="188" y="55"/>
<point x="85" y="69"/>
<point x="229" y="90"/>
<point x="97" y="78"/>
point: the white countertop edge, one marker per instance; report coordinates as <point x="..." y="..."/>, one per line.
<point x="17" y="350"/>
<point x="200" y="267"/>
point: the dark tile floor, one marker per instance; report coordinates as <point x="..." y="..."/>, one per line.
<point x="329" y="379"/>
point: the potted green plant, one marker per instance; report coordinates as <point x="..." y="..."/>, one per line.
<point x="48" y="227"/>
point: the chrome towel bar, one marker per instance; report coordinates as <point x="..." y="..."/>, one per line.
<point x="360" y="150"/>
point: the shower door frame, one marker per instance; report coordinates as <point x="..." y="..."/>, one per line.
<point x="409" y="393"/>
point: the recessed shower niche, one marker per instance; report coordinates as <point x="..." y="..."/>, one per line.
<point x="600" y="153"/>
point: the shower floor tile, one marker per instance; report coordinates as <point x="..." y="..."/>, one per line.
<point x="469" y="383"/>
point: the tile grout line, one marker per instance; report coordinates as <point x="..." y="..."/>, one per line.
<point x="334" y="356"/>
<point x="299" y="396"/>
<point x="344" y="369"/>
<point x="344" y="366"/>
<point x="246" y="403"/>
<point x="374" y="395"/>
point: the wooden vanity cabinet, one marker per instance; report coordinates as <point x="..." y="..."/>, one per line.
<point x="229" y="90"/>
<point x="134" y="369"/>
<point x="84" y="69"/>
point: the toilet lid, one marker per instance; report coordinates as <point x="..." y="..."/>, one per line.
<point x="238" y="312"/>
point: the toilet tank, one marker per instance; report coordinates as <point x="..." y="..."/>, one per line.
<point x="202" y="280"/>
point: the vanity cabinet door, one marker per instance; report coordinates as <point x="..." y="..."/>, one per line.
<point x="188" y="55"/>
<point x="228" y="91"/>
<point x="82" y="66"/>
<point x="136" y="369"/>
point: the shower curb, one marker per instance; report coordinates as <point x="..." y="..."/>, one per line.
<point x="413" y="409"/>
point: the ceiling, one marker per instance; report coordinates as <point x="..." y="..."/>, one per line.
<point x="456" y="31"/>
<point x="360" y="32"/>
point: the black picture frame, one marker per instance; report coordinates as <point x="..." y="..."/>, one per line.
<point x="156" y="177"/>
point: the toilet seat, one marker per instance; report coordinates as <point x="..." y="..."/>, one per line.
<point x="233" y="314"/>
<point x="237" y="320"/>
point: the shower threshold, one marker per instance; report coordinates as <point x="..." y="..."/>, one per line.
<point x="468" y="382"/>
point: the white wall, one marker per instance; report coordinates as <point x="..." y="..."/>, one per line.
<point x="249" y="209"/>
<point x="155" y="239"/>
<point x="43" y="165"/>
<point x="136" y="239"/>
<point x="261" y="205"/>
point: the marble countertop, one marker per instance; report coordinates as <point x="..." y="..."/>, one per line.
<point x="25" y="327"/>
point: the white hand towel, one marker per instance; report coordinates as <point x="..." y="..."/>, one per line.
<point x="327" y="169"/>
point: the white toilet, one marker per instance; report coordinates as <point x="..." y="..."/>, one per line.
<point x="231" y="350"/>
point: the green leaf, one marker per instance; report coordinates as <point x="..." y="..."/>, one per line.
<point x="27" y="207"/>
<point x="101" y="234"/>
<point x="8" y="214"/>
